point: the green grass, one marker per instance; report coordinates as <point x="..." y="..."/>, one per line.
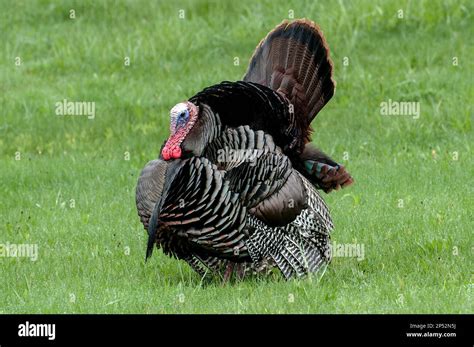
<point x="417" y="258"/>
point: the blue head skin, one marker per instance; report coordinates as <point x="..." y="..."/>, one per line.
<point x="181" y="119"/>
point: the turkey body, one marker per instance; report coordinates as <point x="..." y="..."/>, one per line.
<point x="235" y="186"/>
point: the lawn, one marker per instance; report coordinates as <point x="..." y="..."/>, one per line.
<point x="68" y="182"/>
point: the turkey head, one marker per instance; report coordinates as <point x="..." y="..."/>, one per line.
<point x="183" y="116"/>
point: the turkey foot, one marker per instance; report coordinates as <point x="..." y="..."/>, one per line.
<point x="228" y="272"/>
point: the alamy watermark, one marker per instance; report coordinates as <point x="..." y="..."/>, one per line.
<point x="228" y="155"/>
<point x="19" y="250"/>
<point x="400" y="108"/>
<point x="75" y="108"/>
<point x="28" y="329"/>
<point x="346" y="250"/>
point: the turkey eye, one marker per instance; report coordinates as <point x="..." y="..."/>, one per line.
<point x="182" y="115"/>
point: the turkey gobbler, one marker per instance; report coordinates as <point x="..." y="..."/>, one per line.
<point x="235" y="186"/>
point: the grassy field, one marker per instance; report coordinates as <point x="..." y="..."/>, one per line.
<point x="68" y="182"/>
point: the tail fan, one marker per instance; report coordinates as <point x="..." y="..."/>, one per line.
<point x="294" y="60"/>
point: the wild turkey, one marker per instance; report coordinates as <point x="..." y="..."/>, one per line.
<point x="235" y="181"/>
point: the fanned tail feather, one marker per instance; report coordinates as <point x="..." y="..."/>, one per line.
<point x="294" y="60"/>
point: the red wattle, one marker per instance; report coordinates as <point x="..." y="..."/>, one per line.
<point x="171" y="153"/>
<point x="165" y="153"/>
<point x="176" y="153"/>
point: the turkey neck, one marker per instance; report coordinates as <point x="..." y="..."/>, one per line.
<point x="206" y="129"/>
